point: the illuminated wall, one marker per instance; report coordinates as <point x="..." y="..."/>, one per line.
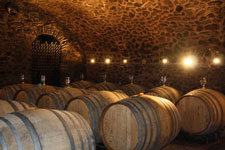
<point x="142" y="31"/>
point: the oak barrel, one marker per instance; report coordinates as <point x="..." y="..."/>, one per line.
<point x="43" y="129"/>
<point x="58" y="99"/>
<point x="91" y="105"/>
<point x="202" y="111"/>
<point x="103" y="86"/>
<point x="8" y="92"/>
<point x="139" y="123"/>
<point x="81" y="84"/>
<point x="9" y="106"/>
<point x="30" y="95"/>
<point x="166" y="92"/>
<point x="132" y="89"/>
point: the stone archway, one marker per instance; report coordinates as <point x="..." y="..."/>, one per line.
<point x="46" y="59"/>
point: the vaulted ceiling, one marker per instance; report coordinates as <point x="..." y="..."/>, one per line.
<point x="142" y="27"/>
<point x="143" y="31"/>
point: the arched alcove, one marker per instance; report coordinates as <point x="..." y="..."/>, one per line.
<point x="46" y="59"/>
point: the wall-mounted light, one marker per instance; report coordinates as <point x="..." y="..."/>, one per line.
<point x="190" y="61"/>
<point x="216" y="61"/>
<point x="125" y="61"/>
<point x="107" y="61"/>
<point x="165" y="61"/>
<point x="92" y="60"/>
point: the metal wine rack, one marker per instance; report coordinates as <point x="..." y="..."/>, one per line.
<point x="46" y="59"/>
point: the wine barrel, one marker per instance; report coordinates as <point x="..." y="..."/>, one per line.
<point x="202" y="111"/>
<point x="104" y="86"/>
<point x="58" y="99"/>
<point x="166" y="92"/>
<point x="30" y="95"/>
<point x="43" y="129"/>
<point x="112" y="96"/>
<point x="139" y="123"/>
<point x="91" y="105"/>
<point x="81" y="84"/>
<point x="7" y="106"/>
<point x="8" y="92"/>
<point x="132" y="89"/>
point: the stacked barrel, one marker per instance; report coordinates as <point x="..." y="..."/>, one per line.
<point x="82" y="97"/>
<point x="202" y="111"/>
<point x="85" y="113"/>
<point x="31" y="95"/>
<point x="107" y="86"/>
<point x="58" y="99"/>
<point x="166" y="92"/>
<point x="7" y="106"/>
<point x="43" y="129"/>
<point x="23" y="126"/>
<point x="8" y="92"/>
<point x="132" y="89"/>
<point x="140" y="122"/>
<point x="82" y="84"/>
<point x="91" y="106"/>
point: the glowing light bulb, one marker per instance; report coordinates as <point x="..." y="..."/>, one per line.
<point x="165" y="61"/>
<point x="188" y="61"/>
<point x="92" y="60"/>
<point x="107" y="61"/>
<point x="216" y="61"/>
<point x="125" y="61"/>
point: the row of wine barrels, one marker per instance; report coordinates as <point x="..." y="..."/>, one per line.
<point x="8" y="92"/>
<point x="9" y="106"/>
<point x="81" y="84"/>
<point x="132" y="89"/>
<point x="140" y="123"/>
<point x="91" y="105"/>
<point x="30" y="95"/>
<point x="202" y="111"/>
<point x="166" y="92"/>
<point x="104" y="86"/>
<point x="43" y="129"/>
<point x="58" y="99"/>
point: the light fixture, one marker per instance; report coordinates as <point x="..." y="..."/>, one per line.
<point x="125" y="61"/>
<point x="216" y="61"/>
<point x="165" y="61"/>
<point x="107" y="61"/>
<point x="92" y="61"/>
<point x="190" y="61"/>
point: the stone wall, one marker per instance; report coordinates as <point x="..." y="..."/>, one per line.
<point x="142" y="31"/>
<point x="18" y="31"/>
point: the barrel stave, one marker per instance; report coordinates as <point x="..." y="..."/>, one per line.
<point x="8" y="92"/>
<point x="9" y="106"/>
<point x="58" y="99"/>
<point x="156" y="120"/>
<point x="204" y="110"/>
<point x="91" y="106"/>
<point x="165" y="92"/>
<point x="132" y="89"/>
<point x="46" y="130"/>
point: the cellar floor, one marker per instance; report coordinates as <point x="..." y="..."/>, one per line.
<point x="187" y="144"/>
